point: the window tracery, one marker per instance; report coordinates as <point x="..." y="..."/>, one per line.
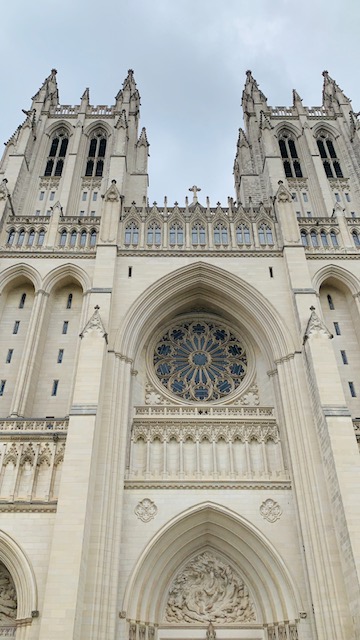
<point x="132" y="234"/>
<point x="176" y="234"/>
<point x="328" y="155"/>
<point x="200" y="360"/>
<point x="289" y="155"/>
<point x="96" y="155"/>
<point x="57" y="153"/>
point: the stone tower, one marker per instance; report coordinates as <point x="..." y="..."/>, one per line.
<point x="179" y="384"/>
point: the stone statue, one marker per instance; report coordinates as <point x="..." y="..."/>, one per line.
<point x="208" y="590"/>
<point x="210" y="634"/>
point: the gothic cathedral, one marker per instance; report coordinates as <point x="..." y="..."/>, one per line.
<point x="180" y="384"/>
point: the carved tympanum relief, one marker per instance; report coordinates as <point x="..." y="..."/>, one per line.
<point x="8" y="601"/>
<point x="208" y="590"/>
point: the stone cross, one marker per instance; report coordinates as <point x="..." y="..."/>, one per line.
<point x="195" y="189"/>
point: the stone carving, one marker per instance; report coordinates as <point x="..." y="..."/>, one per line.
<point x="3" y="190"/>
<point x="283" y="195"/>
<point x="270" y="510"/>
<point x="146" y="510"/>
<point x="142" y="632"/>
<point x="211" y="633"/>
<point x="8" y="601"/>
<point x="112" y="194"/>
<point x="261" y="432"/>
<point x="208" y="590"/>
<point x="315" y="325"/>
<point x="152" y="396"/>
<point x="95" y="323"/>
<point x="250" y="398"/>
<point x="132" y="631"/>
<point x="151" y="633"/>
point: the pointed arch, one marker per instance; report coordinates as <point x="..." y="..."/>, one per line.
<point x="18" y="565"/>
<point x="67" y="271"/>
<point x="219" y="290"/>
<point x="343" y="276"/>
<point x="209" y="526"/>
<point x="18" y="272"/>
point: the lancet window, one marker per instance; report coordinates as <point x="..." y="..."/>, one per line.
<point x="243" y="234"/>
<point x="356" y="238"/>
<point x="289" y="155"/>
<point x="176" y="234"/>
<point x="221" y="235"/>
<point x="132" y="234"/>
<point x="96" y="155"/>
<point x="57" y="153"/>
<point x="198" y="235"/>
<point x="154" y="233"/>
<point x="265" y="235"/>
<point x="328" y="155"/>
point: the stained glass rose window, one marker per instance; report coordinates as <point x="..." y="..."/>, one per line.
<point x="200" y="360"/>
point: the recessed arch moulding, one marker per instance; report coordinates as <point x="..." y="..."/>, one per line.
<point x="226" y="535"/>
<point x="202" y="285"/>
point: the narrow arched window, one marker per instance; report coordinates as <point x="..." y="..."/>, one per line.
<point x="83" y="237"/>
<point x="22" y="301"/>
<point x="154" y="233"/>
<point x="21" y="237"/>
<point x="269" y="236"/>
<point x="330" y="303"/>
<point x="304" y="238"/>
<point x="356" y="238"/>
<point x="73" y="236"/>
<point x="93" y="238"/>
<point x="324" y="239"/>
<point x="198" y="234"/>
<point x="176" y="234"/>
<point x="132" y="234"/>
<point x="63" y="237"/>
<point x="220" y="234"/>
<point x="314" y="239"/>
<point x="69" y="301"/>
<point x="96" y="154"/>
<point x="289" y="155"/>
<point x="11" y="237"/>
<point x="328" y="155"/>
<point x="41" y="237"/>
<point x="57" y="153"/>
<point x="334" y="239"/>
<point x="31" y="237"/>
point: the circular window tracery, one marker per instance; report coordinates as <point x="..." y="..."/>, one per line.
<point x="200" y="360"/>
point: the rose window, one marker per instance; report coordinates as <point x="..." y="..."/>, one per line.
<point x="200" y="360"/>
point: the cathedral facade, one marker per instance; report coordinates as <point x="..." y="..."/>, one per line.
<point x="180" y="384"/>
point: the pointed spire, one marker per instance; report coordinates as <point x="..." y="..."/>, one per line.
<point x="86" y="95"/>
<point x="128" y="93"/>
<point x="48" y="90"/>
<point x="142" y="141"/>
<point x="296" y="98"/>
<point x="252" y="94"/>
<point x="333" y="96"/>
<point x="316" y="326"/>
<point x="264" y="121"/>
<point x="122" y="121"/>
<point x="242" y="139"/>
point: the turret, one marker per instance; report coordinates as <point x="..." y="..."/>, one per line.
<point x="48" y="94"/>
<point x="253" y="98"/>
<point x="334" y="99"/>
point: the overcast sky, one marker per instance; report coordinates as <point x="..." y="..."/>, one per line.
<point x="189" y="59"/>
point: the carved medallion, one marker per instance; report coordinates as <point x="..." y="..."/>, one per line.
<point x="208" y="590"/>
<point x="146" y="510"/>
<point x="270" y="510"/>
